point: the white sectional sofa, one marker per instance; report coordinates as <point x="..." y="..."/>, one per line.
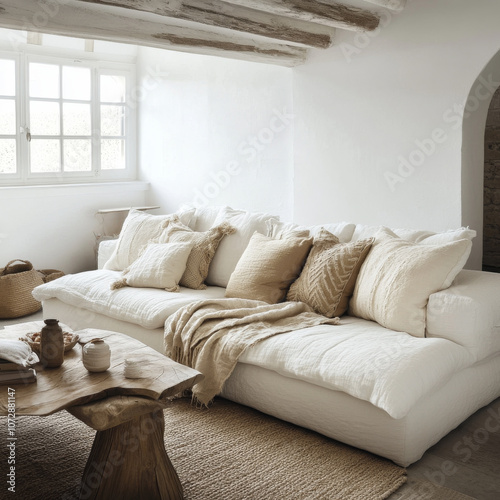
<point x="382" y="389"/>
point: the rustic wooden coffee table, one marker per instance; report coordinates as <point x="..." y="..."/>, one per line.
<point x="128" y="458"/>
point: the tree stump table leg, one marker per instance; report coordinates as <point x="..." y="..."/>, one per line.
<point x="129" y="461"/>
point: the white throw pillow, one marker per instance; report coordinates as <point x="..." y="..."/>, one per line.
<point x="204" y="218"/>
<point x="231" y="248"/>
<point x="448" y="236"/>
<point x="138" y="230"/>
<point x="342" y="230"/>
<point x="398" y="276"/>
<point x="278" y="230"/>
<point x="418" y="236"/>
<point x="160" y="266"/>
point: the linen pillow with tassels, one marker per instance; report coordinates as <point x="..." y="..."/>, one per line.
<point x="204" y="245"/>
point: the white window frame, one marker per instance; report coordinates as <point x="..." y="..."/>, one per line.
<point x="24" y="176"/>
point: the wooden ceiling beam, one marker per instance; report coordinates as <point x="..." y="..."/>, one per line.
<point x="235" y="17"/>
<point x="329" y="13"/>
<point x="100" y="22"/>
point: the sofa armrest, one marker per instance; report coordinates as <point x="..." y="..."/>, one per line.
<point x="468" y="312"/>
<point x="104" y="251"/>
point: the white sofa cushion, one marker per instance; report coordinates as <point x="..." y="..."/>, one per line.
<point x="398" y="276"/>
<point x="231" y="248"/>
<point x="147" y="307"/>
<point x="467" y="313"/>
<point x="391" y="370"/>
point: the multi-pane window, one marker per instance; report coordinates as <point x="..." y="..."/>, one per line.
<point x="64" y="120"/>
<point x="8" y="117"/>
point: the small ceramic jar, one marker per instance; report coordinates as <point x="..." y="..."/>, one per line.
<point x="96" y="355"/>
<point x="133" y="368"/>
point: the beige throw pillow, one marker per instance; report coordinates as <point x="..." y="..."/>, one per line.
<point x="231" y="248"/>
<point x="398" y="276"/>
<point x="159" y="266"/>
<point x="267" y="268"/>
<point x="329" y="275"/>
<point x="204" y="246"/>
<point x="137" y="231"/>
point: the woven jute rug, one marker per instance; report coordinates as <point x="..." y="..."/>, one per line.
<point x="228" y="452"/>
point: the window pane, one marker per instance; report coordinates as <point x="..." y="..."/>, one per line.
<point x="44" y="80"/>
<point x="7" y="77"/>
<point x="7" y="156"/>
<point x="76" y="119"/>
<point x="7" y="116"/>
<point x="45" y="155"/>
<point x="112" y="88"/>
<point x="112" y="154"/>
<point x="44" y="118"/>
<point x="77" y="155"/>
<point x="76" y="83"/>
<point x="112" y="120"/>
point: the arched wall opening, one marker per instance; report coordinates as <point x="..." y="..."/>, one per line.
<point x="491" y="214"/>
<point x="473" y="157"/>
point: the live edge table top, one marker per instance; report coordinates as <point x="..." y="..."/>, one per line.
<point x="71" y="384"/>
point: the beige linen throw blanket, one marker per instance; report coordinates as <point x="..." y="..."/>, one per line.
<point x="210" y="335"/>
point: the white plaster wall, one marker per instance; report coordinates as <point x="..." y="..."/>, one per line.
<point x="362" y="106"/>
<point x="215" y="131"/>
<point x="53" y="227"/>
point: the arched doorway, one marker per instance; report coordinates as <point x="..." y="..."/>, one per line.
<point x="476" y="111"/>
<point x="491" y="200"/>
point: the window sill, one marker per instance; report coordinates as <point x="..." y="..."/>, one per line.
<point x="90" y="187"/>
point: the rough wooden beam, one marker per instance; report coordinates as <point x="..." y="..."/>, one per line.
<point x="221" y="14"/>
<point x="100" y="22"/>
<point x="328" y="13"/>
<point x="389" y="4"/>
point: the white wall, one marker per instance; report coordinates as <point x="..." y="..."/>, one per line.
<point x="363" y="106"/>
<point x="215" y="131"/>
<point x="54" y="226"/>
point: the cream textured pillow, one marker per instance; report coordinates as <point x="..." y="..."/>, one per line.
<point x="204" y="246"/>
<point x="231" y="248"/>
<point x="329" y="275"/>
<point x="138" y="230"/>
<point x="398" y="276"/>
<point x="267" y="267"/>
<point x="161" y="265"/>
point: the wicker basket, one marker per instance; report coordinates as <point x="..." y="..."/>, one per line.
<point x="50" y="274"/>
<point x="16" y="284"/>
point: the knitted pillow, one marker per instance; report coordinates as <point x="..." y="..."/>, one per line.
<point x="204" y="246"/>
<point x="329" y="275"/>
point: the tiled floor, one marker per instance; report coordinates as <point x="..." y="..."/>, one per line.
<point x="464" y="465"/>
